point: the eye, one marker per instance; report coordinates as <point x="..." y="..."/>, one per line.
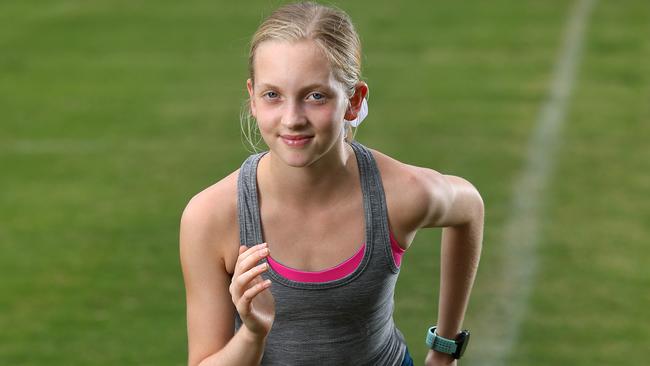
<point x="317" y="96"/>
<point x="270" y="95"/>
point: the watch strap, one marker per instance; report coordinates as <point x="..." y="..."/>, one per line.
<point x="440" y="344"/>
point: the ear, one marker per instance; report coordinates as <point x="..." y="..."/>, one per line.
<point x="360" y="92"/>
<point x="251" y="93"/>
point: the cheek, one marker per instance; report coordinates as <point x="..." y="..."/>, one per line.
<point x="327" y="115"/>
<point x="267" y="116"/>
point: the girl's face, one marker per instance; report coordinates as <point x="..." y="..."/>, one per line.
<point x="297" y="102"/>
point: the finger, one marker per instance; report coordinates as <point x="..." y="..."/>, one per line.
<point x="250" y="277"/>
<point x="250" y="251"/>
<point x="244" y="252"/>
<point x="251" y="260"/>
<point x="243" y="279"/>
<point x="246" y="280"/>
<point x="244" y="303"/>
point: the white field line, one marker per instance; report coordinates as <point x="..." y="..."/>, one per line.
<point x="500" y="322"/>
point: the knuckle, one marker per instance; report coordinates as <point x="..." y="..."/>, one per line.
<point x="244" y="278"/>
<point x="246" y="297"/>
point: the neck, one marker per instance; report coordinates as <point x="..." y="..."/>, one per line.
<point x="312" y="186"/>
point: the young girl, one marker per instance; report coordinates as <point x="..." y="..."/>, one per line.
<point x="293" y="258"/>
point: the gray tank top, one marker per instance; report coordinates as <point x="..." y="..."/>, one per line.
<point x="348" y="321"/>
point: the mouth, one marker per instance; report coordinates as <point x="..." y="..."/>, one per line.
<point x="296" y="140"/>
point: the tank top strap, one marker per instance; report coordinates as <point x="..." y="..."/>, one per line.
<point x="374" y="203"/>
<point x="250" y="226"/>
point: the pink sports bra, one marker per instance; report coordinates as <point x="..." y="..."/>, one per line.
<point x="334" y="273"/>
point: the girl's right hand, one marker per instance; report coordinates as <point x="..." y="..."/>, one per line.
<point x="250" y="294"/>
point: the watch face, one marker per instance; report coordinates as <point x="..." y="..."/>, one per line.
<point x="462" y="341"/>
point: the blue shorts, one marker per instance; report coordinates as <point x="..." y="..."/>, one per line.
<point x="408" y="361"/>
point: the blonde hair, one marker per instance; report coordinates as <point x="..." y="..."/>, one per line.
<point x="332" y="31"/>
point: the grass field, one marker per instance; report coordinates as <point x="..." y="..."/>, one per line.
<point x="113" y="114"/>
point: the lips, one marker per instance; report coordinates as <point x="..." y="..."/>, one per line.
<point x="296" y="140"/>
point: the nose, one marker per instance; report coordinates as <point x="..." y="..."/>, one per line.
<point x="294" y="116"/>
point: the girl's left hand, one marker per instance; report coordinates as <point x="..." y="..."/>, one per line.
<point x="250" y="292"/>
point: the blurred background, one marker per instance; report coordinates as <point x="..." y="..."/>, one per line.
<point x="113" y="114"/>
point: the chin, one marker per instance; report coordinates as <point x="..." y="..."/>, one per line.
<point x="296" y="159"/>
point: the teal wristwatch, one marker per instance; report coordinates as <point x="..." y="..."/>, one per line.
<point x="454" y="347"/>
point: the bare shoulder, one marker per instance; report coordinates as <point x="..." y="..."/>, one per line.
<point x="420" y="197"/>
<point x="209" y="221"/>
<point x="408" y="189"/>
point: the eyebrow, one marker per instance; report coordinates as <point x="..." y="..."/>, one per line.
<point x="303" y="89"/>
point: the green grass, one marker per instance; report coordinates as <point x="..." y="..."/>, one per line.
<point x="115" y="114"/>
<point x="592" y="287"/>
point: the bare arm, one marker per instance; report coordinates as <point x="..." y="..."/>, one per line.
<point x="211" y="295"/>
<point x="456" y="206"/>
